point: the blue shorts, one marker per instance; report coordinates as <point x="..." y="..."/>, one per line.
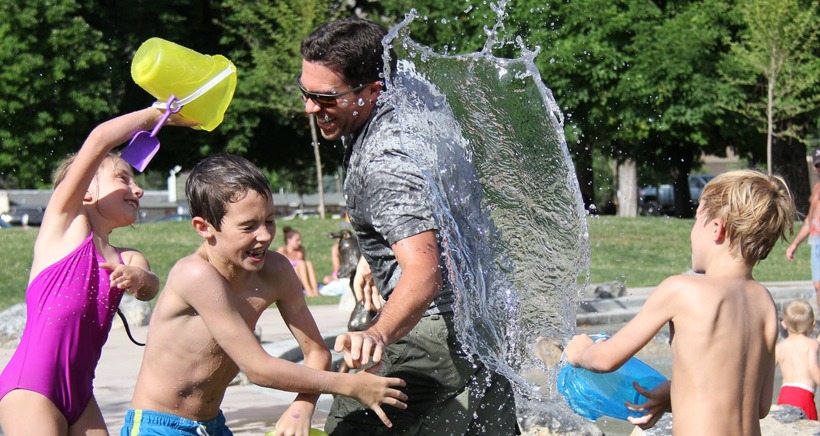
<point x="149" y="423"/>
<point x="815" y="263"/>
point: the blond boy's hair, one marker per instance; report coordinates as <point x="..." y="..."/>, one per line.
<point x="798" y="316"/>
<point x="756" y="210"/>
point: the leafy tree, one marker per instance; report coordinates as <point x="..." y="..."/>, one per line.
<point x="586" y="51"/>
<point x="269" y="124"/>
<point x="670" y="116"/>
<point x="53" y="87"/>
<point x="773" y="74"/>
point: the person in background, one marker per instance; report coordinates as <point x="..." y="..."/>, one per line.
<point x="723" y="323"/>
<point x="334" y="259"/>
<point x="76" y="282"/>
<point x="797" y="356"/>
<point x="811" y="229"/>
<point x="295" y="252"/>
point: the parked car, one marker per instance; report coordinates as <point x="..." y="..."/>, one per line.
<point x="657" y="200"/>
<point x="18" y="216"/>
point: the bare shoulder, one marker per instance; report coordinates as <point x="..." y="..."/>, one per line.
<point x="192" y="273"/>
<point x="276" y="263"/>
<point x="192" y="266"/>
<point x="678" y="286"/>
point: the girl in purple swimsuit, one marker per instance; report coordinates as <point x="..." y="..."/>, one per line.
<point x="77" y="280"/>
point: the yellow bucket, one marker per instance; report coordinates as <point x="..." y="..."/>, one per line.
<point x="203" y="84"/>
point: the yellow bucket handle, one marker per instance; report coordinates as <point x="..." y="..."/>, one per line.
<point x="199" y="92"/>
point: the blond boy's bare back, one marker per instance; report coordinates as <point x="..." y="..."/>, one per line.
<point x="183" y="352"/>
<point x="723" y="323"/>
<point x="724" y="335"/>
<point x="797" y="357"/>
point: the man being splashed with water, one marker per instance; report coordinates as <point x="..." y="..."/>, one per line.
<point x="391" y="209"/>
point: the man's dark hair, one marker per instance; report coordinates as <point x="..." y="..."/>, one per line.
<point x="221" y="179"/>
<point x="350" y="46"/>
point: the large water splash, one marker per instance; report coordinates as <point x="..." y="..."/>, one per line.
<point x="489" y="136"/>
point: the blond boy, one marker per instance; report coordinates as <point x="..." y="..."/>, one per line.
<point x="201" y="331"/>
<point x="797" y="356"/>
<point x="723" y="323"/>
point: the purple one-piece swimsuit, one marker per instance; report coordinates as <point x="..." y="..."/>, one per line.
<point x="69" y="307"/>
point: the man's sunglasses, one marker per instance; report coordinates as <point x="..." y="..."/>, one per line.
<point x="326" y="100"/>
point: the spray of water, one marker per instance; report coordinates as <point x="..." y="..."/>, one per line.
<point x="489" y="136"/>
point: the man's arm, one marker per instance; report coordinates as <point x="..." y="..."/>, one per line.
<point x="418" y="285"/>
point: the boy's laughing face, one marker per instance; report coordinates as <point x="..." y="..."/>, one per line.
<point x="246" y="233"/>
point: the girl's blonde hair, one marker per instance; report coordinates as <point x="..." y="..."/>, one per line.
<point x="756" y="210"/>
<point x="60" y="172"/>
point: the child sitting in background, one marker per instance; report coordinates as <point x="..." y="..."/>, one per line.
<point x="723" y="323"/>
<point x="295" y="252"/>
<point x="797" y="356"/>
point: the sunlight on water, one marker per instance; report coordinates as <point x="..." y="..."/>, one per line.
<point x="489" y="136"/>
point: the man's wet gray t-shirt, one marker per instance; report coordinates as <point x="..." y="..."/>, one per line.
<point x="388" y="199"/>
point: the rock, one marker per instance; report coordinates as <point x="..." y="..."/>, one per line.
<point x="12" y="323"/>
<point x="770" y="425"/>
<point x="786" y="414"/>
<point x="605" y="290"/>
<point x="137" y="312"/>
<point x="548" y="351"/>
<point x="556" y="420"/>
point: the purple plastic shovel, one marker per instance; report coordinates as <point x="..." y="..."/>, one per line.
<point x="144" y="145"/>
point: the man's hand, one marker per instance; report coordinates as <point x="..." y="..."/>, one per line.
<point x="364" y="288"/>
<point x="657" y="403"/>
<point x="359" y="346"/>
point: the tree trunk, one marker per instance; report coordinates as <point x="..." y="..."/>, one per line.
<point x="583" y="170"/>
<point x="318" y="157"/>
<point x="683" y="199"/>
<point x="628" y="189"/>
<point x="789" y="161"/>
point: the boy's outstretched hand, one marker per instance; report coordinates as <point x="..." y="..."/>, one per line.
<point x="657" y="403"/>
<point x="373" y="391"/>
<point x="576" y="347"/>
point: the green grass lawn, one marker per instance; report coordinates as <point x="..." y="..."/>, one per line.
<point x="637" y="251"/>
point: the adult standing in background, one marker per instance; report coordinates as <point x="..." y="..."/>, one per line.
<point x="811" y="230"/>
<point x="391" y="210"/>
